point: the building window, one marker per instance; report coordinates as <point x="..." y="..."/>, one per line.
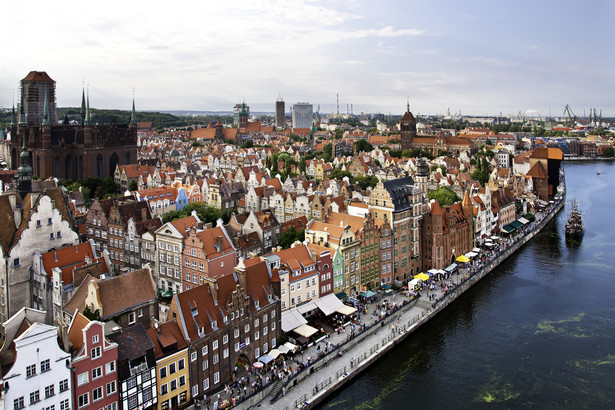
<point x="63" y="385"/>
<point x="34" y="397"/>
<point x="131" y="318"/>
<point x="133" y="400"/>
<point x="97" y="394"/>
<point x="172" y="368"/>
<point x="164" y="389"/>
<point x="49" y="391"/>
<point x="216" y="358"/>
<point x="204" y="350"/>
<point x="45" y="366"/>
<point x="225" y="353"/>
<point x="18" y="403"/>
<point x="225" y="339"/>
<point x="110" y="387"/>
<point x="110" y="367"/>
<point x="205" y="365"/>
<point x="31" y="370"/>
<point x="214" y="344"/>
<point x="182" y="381"/>
<point x="216" y="377"/>
<point x="84" y="400"/>
<point x="95" y="353"/>
<point x="163" y="372"/>
<point x="206" y="384"/>
<point x="192" y="356"/>
<point x="64" y="405"/>
<point x="96" y="373"/>
<point x="82" y="379"/>
<point x="181" y="364"/>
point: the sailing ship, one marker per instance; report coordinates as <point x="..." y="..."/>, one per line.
<point x="574" y="226"/>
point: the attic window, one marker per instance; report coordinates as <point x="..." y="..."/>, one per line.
<point x="257" y="304"/>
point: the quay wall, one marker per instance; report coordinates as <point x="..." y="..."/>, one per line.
<point x="418" y="321"/>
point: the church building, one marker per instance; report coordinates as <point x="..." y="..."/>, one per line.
<point x="71" y="151"/>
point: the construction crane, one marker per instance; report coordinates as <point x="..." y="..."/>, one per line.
<point x="572" y="119"/>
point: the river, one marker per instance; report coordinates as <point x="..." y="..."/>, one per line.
<point x="539" y="331"/>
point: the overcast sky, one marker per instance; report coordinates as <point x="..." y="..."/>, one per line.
<point x="478" y="57"/>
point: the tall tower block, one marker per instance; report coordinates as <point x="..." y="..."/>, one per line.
<point x="280" y="113"/>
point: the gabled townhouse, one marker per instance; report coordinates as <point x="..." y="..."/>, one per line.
<point x="93" y="365"/>
<point x="163" y="199"/>
<point x="367" y="231"/>
<point x="324" y="265"/>
<point x="172" y="370"/>
<point x="400" y="200"/>
<point x="299" y="278"/>
<point x="136" y="367"/>
<point x="230" y="321"/>
<point x="348" y="245"/>
<point x="138" y="251"/>
<point x="57" y="274"/>
<point x="169" y="250"/>
<point x="120" y="213"/>
<point x="126" y="299"/>
<point x="207" y="253"/>
<point x="265" y="224"/>
<point x="40" y="375"/>
<point x="43" y="223"/>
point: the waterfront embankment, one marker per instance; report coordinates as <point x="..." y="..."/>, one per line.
<point x="313" y="385"/>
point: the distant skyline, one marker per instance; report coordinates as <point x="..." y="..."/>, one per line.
<point x="478" y="57"/>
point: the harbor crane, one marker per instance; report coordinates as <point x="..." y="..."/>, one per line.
<point x="572" y="119"/>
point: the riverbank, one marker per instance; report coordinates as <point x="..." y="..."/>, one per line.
<point x="349" y="358"/>
<point x="329" y="364"/>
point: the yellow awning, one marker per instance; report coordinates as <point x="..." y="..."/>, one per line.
<point x="462" y="259"/>
<point x="422" y="276"/>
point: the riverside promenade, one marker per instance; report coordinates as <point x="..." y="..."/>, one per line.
<point x="348" y="356"/>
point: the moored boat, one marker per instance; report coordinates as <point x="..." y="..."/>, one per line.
<point x="574" y="225"/>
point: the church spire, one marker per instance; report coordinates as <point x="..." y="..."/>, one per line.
<point x="82" y="112"/>
<point x="87" y="110"/>
<point x="13" y="119"/>
<point x="408" y="105"/>
<point x="46" y="110"/>
<point x="133" y="114"/>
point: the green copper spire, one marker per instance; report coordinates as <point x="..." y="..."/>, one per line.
<point x="13" y="122"/>
<point x="82" y="112"/>
<point x="46" y="110"/>
<point x="24" y="152"/>
<point x="87" y="110"/>
<point x="133" y="115"/>
<point x="408" y="105"/>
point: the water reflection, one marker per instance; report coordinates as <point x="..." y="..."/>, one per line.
<point x="537" y="332"/>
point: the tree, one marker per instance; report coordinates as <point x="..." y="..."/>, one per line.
<point x="363" y="146"/>
<point x="328" y="153"/>
<point x="290" y="236"/>
<point x="365" y="181"/>
<point x="444" y="195"/>
<point x="608" y="152"/>
<point x="394" y="141"/>
<point x="134" y="185"/>
<point x="229" y="141"/>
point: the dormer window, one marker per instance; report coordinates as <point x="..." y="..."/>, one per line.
<point x="257" y="304"/>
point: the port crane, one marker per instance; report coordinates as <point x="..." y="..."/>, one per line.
<point x="572" y="119"/>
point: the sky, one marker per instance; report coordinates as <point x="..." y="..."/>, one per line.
<point x="472" y="57"/>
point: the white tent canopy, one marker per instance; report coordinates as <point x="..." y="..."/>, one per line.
<point x="292" y="319"/>
<point x="274" y="353"/>
<point x="328" y="304"/>
<point x="471" y="255"/>
<point x="346" y="310"/>
<point x="305" y="330"/>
